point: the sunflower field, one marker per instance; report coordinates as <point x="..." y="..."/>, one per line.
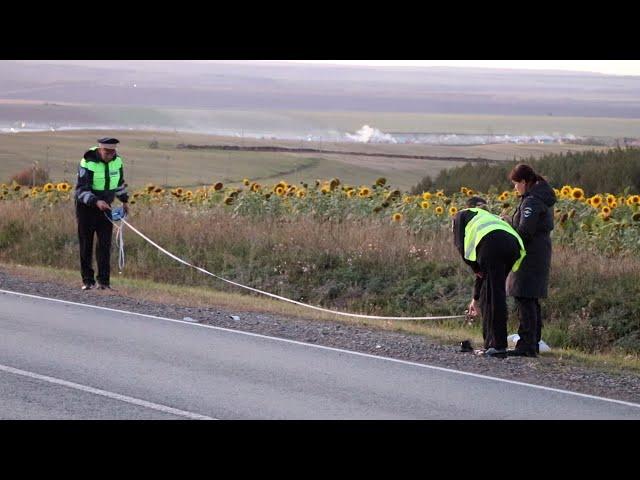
<point x="605" y="222"/>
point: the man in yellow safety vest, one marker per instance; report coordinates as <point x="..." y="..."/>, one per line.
<point x="492" y="248"/>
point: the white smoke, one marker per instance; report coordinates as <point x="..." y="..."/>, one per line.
<point x="368" y="134"/>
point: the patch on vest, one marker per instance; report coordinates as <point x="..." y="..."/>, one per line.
<point x="82" y="172"/>
<point x="527" y="212"/>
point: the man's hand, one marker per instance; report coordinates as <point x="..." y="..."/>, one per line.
<point x="473" y="308"/>
<point x="102" y="205"/>
<point x="125" y="207"/>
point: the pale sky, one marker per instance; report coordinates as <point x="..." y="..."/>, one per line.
<point x="611" y="67"/>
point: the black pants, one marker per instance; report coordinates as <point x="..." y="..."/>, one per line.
<point x="496" y="254"/>
<point x="93" y="221"/>
<point x="530" y="329"/>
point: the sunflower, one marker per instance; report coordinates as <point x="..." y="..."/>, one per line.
<point x="439" y="210"/>
<point x="255" y="187"/>
<point x="48" y="187"/>
<point x="464" y="190"/>
<point x="596" y="201"/>
<point x="635" y="199"/>
<point x="179" y="191"/>
<point x="280" y="190"/>
<point x="158" y="190"/>
<point x="364" y="192"/>
<point x="408" y="199"/>
<point x="381" y="182"/>
<point x="566" y="191"/>
<point x="228" y="200"/>
<point x="246" y="182"/>
<point x="426" y="195"/>
<point x="396" y="217"/>
<point x="577" y="194"/>
<point x="62" y="187"/>
<point x="393" y="194"/>
<point x="470" y="193"/>
<point x="218" y="186"/>
<point x="188" y="194"/>
<point x="606" y="210"/>
<point x="300" y="193"/>
<point x="440" y="193"/>
<point x="636" y="217"/>
<point x="503" y="197"/>
<point x="452" y="210"/>
<point x="325" y="189"/>
<point x="351" y="193"/>
<point x="425" y="204"/>
<point x="335" y="182"/>
<point x="611" y="199"/>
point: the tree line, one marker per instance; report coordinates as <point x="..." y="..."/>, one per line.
<point x="610" y="171"/>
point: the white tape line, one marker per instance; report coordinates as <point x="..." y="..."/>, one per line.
<point x="104" y="393"/>
<point x="374" y="317"/>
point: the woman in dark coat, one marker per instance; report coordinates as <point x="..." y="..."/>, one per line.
<point x="533" y="220"/>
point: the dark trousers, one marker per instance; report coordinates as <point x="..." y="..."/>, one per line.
<point x="93" y="221"/>
<point x="496" y="254"/>
<point x="530" y="329"/>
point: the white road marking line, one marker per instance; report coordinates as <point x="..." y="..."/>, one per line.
<point x="296" y="342"/>
<point x="104" y="393"/>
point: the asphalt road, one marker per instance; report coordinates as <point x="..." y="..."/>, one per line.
<point x="65" y="361"/>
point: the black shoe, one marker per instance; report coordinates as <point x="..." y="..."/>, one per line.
<point x="103" y="286"/>
<point x="495" y="352"/>
<point x="516" y="352"/>
<point x="465" y="346"/>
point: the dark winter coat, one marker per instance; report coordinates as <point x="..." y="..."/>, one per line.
<point x="533" y="220"/>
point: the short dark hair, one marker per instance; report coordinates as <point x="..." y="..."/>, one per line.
<point x="476" y="202"/>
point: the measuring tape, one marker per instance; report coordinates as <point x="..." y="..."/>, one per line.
<point x="306" y="305"/>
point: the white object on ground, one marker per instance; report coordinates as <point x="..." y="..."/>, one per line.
<point x="189" y="319"/>
<point x="541" y="344"/>
<point x="235" y="317"/>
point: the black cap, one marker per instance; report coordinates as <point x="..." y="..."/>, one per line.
<point x="108" y="142"/>
<point x="476" y="202"/>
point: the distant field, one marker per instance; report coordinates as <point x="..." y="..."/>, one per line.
<point x="167" y="165"/>
<point x="297" y="122"/>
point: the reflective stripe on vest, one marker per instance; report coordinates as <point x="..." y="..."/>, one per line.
<point x="106" y="176"/>
<point x="482" y="224"/>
